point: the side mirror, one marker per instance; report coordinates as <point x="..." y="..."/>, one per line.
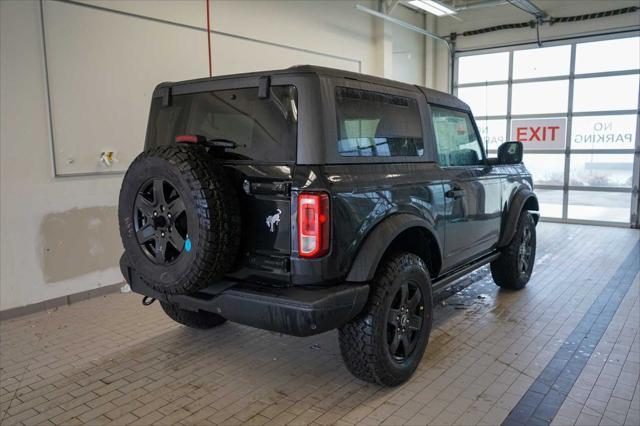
<point x="510" y="153"/>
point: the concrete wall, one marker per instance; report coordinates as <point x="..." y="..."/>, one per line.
<point x="59" y="234"/>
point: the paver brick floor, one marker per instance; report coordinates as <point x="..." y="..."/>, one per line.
<point x="110" y="360"/>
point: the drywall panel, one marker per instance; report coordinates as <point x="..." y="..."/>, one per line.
<point x="100" y="86"/>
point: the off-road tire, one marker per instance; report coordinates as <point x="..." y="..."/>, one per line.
<point x="200" y="319"/>
<point x="363" y="340"/>
<point x="212" y="214"/>
<point x="505" y="269"/>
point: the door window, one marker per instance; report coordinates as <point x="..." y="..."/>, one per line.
<point x="457" y="140"/>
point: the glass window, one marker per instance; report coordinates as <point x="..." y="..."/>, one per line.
<point x="601" y="169"/>
<point x="263" y="129"/>
<point x="485" y="100"/>
<point x="542" y="62"/>
<point x="603" y="132"/>
<point x="608" y="55"/>
<point x="492" y="132"/>
<point x="546" y="169"/>
<point x="372" y="124"/>
<point x="457" y="141"/>
<point x="600" y="206"/>
<point x="543" y="97"/>
<point x="537" y="101"/>
<point x="481" y="68"/>
<point x="550" y="201"/>
<point x="606" y="93"/>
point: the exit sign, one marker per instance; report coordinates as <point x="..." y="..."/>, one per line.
<point x="540" y="133"/>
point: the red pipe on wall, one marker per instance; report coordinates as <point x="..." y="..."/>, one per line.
<point x="209" y="39"/>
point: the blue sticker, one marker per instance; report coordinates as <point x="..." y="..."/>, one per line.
<point x="187" y="245"/>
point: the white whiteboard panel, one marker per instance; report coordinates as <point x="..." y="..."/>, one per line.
<point x="103" y="66"/>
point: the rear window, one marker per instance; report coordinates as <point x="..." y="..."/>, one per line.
<point x="264" y="129"/>
<point x="372" y="124"/>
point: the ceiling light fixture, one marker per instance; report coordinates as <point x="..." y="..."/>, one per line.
<point x="433" y="7"/>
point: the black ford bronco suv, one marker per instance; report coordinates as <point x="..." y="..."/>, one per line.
<point x="308" y="199"/>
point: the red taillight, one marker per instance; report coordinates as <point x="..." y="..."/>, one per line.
<point x="313" y="224"/>
<point x="190" y="139"/>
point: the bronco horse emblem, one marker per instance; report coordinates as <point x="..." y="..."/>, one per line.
<point x="274" y="220"/>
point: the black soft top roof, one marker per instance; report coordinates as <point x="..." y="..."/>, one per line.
<point x="433" y="96"/>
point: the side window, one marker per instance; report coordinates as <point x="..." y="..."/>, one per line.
<point x="458" y="143"/>
<point x="372" y="124"/>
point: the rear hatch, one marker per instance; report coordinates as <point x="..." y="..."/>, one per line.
<point x="264" y="132"/>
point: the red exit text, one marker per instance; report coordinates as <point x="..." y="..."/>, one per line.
<point x="537" y="134"/>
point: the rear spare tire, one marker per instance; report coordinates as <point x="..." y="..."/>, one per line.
<point x="179" y="219"/>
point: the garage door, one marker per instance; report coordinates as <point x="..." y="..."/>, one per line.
<point x="575" y="108"/>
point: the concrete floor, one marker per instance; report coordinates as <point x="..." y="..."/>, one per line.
<point x="565" y="350"/>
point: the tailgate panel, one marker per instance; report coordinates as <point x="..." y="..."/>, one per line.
<point x="265" y="198"/>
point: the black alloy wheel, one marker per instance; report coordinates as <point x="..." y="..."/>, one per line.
<point x="160" y="221"/>
<point x="512" y="270"/>
<point x="385" y="342"/>
<point x="524" y="252"/>
<point x="404" y="321"/>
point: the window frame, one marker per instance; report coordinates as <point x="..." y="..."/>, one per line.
<point x="469" y="114"/>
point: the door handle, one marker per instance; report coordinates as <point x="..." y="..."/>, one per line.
<point x="455" y="193"/>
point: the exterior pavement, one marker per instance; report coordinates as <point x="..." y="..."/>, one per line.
<point x="566" y="350"/>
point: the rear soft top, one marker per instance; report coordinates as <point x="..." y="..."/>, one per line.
<point x="433" y="96"/>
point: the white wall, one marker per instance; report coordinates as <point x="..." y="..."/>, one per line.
<point x="59" y="234"/>
<point x="29" y="191"/>
<point x="408" y="48"/>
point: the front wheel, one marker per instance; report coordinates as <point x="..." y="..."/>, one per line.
<point x="385" y="343"/>
<point x="513" y="268"/>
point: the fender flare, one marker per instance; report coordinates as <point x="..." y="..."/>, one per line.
<point x="378" y="241"/>
<point x="522" y="196"/>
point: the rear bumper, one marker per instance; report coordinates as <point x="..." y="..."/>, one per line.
<point x="296" y="311"/>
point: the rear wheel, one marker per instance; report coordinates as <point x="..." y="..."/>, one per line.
<point x="385" y="343"/>
<point x="200" y="319"/>
<point x="513" y="268"/>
